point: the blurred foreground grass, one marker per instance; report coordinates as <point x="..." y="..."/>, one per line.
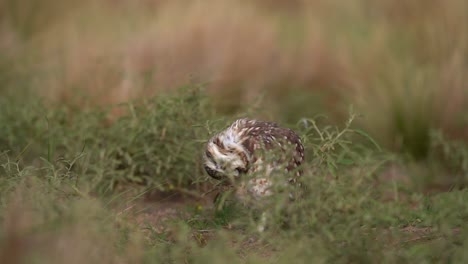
<point x="79" y="189"/>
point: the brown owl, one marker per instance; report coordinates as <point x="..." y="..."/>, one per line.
<point x="257" y="155"/>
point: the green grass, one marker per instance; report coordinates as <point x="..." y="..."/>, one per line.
<point x="83" y="180"/>
<point x="75" y="187"/>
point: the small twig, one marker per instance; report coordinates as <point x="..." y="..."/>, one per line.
<point x="126" y="209"/>
<point x="206" y="230"/>
<point x="210" y="191"/>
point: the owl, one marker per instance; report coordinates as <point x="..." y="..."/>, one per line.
<point x="254" y="156"/>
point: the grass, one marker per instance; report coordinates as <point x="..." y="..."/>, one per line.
<point x="76" y="187"/>
<point x="100" y="154"/>
<point x="120" y="148"/>
<point x="400" y="64"/>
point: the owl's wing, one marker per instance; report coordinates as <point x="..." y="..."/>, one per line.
<point x="269" y="136"/>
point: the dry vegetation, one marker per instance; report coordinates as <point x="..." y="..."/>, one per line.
<point x="401" y="64"/>
<point x="86" y="180"/>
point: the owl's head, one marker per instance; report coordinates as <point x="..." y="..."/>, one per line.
<point x="225" y="158"/>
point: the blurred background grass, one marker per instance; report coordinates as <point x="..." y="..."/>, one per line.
<point x="402" y="65"/>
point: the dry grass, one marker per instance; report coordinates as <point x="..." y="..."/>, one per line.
<point x="237" y="49"/>
<point x="401" y="64"/>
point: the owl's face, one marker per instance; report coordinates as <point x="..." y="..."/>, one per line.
<point x="224" y="159"/>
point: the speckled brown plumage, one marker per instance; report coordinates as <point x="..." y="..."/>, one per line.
<point x="256" y="149"/>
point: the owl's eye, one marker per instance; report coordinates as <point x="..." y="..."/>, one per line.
<point x="240" y="170"/>
<point x="214" y="174"/>
<point x="209" y="155"/>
